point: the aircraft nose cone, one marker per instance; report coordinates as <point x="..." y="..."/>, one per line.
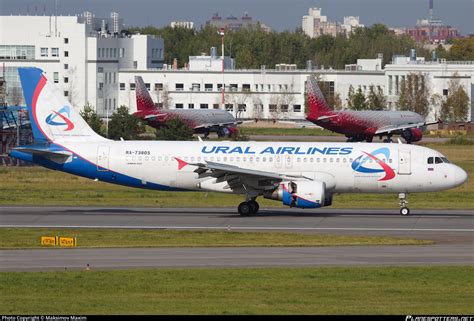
<point x="460" y="176"/>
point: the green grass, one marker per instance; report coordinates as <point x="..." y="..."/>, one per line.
<point x="30" y="238"/>
<point x="271" y="131"/>
<point x="360" y="290"/>
<point x="26" y="186"/>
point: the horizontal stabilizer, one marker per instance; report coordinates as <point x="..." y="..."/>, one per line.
<point x="42" y="150"/>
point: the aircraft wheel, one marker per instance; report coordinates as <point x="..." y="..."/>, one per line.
<point x="405" y="211"/>
<point x="245" y="209"/>
<point x="254" y="206"/>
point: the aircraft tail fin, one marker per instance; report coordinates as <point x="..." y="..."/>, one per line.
<point x="144" y="101"/>
<point x="52" y="116"/>
<point x="318" y="106"/>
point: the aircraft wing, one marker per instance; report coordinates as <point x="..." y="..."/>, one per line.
<point x="242" y="178"/>
<point x="391" y="129"/>
<point x="210" y="125"/>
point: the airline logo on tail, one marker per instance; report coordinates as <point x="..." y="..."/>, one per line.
<point x="54" y="119"/>
<point x="358" y="164"/>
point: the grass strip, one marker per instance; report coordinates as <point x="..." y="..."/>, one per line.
<point x="11" y="238"/>
<point x="353" y="290"/>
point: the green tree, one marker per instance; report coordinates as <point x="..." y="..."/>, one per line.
<point x="462" y="49"/>
<point x="92" y="119"/>
<point x="122" y="125"/>
<point x="376" y="99"/>
<point x="414" y="94"/>
<point x="456" y="106"/>
<point x="356" y="101"/>
<point x="174" y="129"/>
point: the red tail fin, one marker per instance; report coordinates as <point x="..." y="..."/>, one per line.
<point x="317" y="104"/>
<point x="144" y="101"/>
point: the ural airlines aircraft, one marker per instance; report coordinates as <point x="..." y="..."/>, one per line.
<point x="202" y="121"/>
<point x="364" y="124"/>
<point x="302" y="175"/>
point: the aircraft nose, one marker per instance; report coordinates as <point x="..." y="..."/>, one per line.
<point x="460" y="176"/>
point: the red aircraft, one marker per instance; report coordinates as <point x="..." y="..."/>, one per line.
<point x="202" y="121"/>
<point x="365" y="124"/>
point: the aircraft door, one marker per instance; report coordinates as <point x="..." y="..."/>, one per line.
<point x="404" y="162"/>
<point x="103" y="158"/>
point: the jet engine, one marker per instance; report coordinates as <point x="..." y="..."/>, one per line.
<point x="412" y="135"/>
<point x="301" y="194"/>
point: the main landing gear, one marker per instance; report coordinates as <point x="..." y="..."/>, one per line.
<point x="404" y="210"/>
<point x="248" y="208"/>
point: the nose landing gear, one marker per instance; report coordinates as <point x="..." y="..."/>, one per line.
<point x="404" y="210"/>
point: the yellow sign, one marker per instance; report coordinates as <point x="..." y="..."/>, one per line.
<point x="49" y="240"/>
<point x="67" y="241"/>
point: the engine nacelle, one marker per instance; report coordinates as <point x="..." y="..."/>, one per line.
<point x="302" y="194"/>
<point x="412" y="135"/>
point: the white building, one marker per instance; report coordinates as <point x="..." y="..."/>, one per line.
<point x="100" y="70"/>
<point x="182" y="24"/>
<point x="84" y="62"/>
<point x="350" y="24"/>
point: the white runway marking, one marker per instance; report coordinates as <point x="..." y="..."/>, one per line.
<point x="240" y="228"/>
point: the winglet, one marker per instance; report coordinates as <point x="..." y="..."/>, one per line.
<point x="181" y="163"/>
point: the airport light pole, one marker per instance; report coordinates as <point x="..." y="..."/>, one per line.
<point x="221" y="33"/>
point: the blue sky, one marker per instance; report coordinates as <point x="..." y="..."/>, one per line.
<point x="278" y="14"/>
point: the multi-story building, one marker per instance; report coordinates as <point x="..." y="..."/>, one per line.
<point x="182" y="24"/>
<point x="316" y="25"/>
<point x="81" y="54"/>
<point x="433" y="31"/>
<point x="234" y="23"/>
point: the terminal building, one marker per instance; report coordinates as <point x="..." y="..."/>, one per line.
<point x="95" y="62"/>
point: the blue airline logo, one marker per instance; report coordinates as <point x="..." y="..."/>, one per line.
<point x="51" y="119"/>
<point x="248" y="150"/>
<point x="358" y="163"/>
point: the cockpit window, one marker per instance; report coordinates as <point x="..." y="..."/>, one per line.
<point x="445" y="160"/>
<point x="438" y="160"/>
<point x="430" y="160"/>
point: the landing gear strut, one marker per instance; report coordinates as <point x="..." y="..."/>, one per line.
<point x="248" y="208"/>
<point x="404" y="210"/>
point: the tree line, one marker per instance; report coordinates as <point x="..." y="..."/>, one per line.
<point x="252" y="47"/>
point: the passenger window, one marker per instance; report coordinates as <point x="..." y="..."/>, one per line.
<point x="430" y="160"/>
<point x="438" y="160"/>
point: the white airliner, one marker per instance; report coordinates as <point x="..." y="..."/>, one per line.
<point x="303" y="175"/>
